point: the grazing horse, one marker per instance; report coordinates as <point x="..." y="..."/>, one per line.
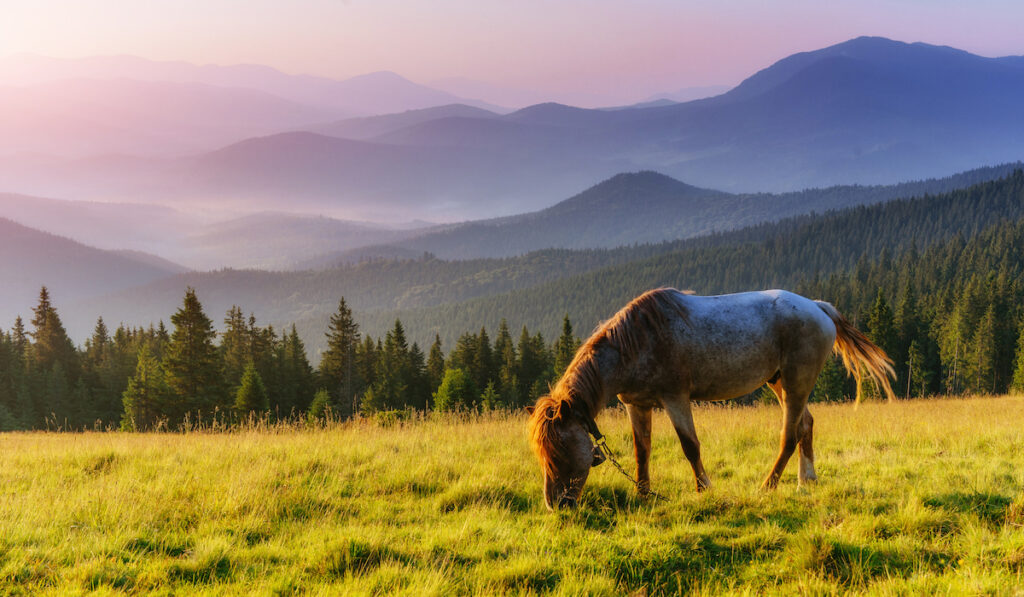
<point x="667" y="348"/>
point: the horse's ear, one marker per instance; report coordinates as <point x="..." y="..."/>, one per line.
<point x="528" y="409"/>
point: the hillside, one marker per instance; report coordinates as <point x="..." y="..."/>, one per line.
<point x="31" y="259"/>
<point x="787" y="254"/>
<point x="647" y="207"/>
<point x="449" y="297"/>
<point x="369" y="127"/>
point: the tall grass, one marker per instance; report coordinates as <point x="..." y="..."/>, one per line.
<point x="913" y="497"/>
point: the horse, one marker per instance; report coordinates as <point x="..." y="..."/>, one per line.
<point x="668" y="349"/>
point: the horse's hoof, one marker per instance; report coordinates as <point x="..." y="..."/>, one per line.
<point x="770" y="484"/>
<point x="703" y="485"/>
<point x="643" y="490"/>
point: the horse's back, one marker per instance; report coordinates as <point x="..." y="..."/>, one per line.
<point x="731" y="343"/>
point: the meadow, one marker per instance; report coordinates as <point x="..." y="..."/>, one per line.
<point x="923" y="496"/>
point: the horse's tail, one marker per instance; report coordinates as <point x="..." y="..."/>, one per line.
<point x="859" y="354"/>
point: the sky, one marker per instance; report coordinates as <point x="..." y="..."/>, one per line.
<point x="590" y="51"/>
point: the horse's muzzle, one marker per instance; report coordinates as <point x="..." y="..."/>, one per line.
<point x="567" y="502"/>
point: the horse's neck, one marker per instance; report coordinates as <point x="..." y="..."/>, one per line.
<point x="606" y="361"/>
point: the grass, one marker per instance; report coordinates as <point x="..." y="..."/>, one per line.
<point x="914" y="497"/>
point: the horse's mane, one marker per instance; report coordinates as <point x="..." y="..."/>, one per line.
<point x="630" y="332"/>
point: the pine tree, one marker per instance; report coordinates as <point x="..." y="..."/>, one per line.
<point x="490" y="399"/>
<point x="565" y="347"/>
<point x="1018" y="371"/>
<point x="981" y="368"/>
<point x="483" y="368"/>
<point x="831" y="385"/>
<point x="145" y="399"/>
<point x="505" y="354"/>
<point x="51" y="343"/>
<point x="435" y="364"/>
<point x="320" y="407"/>
<point x="918" y="373"/>
<point x="456" y="391"/>
<point x="251" y="395"/>
<point x="234" y="348"/>
<point x="337" y="366"/>
<point x="297" y="383"/>
<point x="192" y="364"/>
<point x="419" y="385"/>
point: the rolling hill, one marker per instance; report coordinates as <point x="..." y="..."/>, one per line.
<point x="30" y="259"/>
<point x="645" y="207"/>
<point x="449" y="297"/>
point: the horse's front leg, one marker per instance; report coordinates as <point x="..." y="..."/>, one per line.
<point x="681" y="414"/>
<point x="640" y="417"/>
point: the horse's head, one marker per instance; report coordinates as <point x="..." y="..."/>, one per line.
<point x="563" y="446"/>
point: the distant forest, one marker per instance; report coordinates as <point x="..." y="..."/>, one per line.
<point x="935" y="281"/>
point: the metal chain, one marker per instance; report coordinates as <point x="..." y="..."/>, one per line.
<point x="603" y="446"/>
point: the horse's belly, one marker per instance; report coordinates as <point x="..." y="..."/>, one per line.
<point x="727" y="369"/>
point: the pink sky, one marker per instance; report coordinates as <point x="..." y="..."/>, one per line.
<point x="607" y="50"/>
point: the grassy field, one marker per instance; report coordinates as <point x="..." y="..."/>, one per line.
<point x="915" y="497"/>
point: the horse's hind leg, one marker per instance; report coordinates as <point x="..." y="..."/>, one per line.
<point x="794" y="405"/>
<point x="805" y="437"/>
<point x="680" y="413"/>
<point x="640" y="418"/>
<point x="806" y="432"/>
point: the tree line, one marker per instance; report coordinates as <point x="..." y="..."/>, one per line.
<point x="155" y="377"/>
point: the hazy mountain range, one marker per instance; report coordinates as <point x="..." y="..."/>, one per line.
<point x="866" y="111"/>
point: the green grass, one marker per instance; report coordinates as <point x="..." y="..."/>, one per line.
<point x="913" y="498"/>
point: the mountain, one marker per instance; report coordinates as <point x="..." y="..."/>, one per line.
<point x="644" y="207"/>
<point x="806" y="251"/>
<point x="145" y="228"/>
<point x="199" y="240"/>
<point x="688" y="94"/>
<point x="372" y="93"/>
<point x="342" y="178"/>
<point x="449" y="297"/>
<point x="88" y="117"/>
<point x="369" y="127"/>
<point x="30" y="259"/>
<point x="280" y="240"/>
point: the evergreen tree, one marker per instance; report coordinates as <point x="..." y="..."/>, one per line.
<point x="490" y="399"/>
<point x="320" y="407"/>
<point x="881" y="324"/>
<point x="435" y="364"/>
<point x="483" y="369"/>
<point x="390" y="389"/>
<point x="505" y="354"/>
<point x="192" y="364"/>
<point x="455" y="392"/>
<point x="251" y="395"/>
<point x="145" y="398"/>
<point x="51" y="343"/>
<point x="297" y="383"/>
<point x="831" y="384"/>
<point x="981" y="368"/>
<point x="1018" y="371"/>
<point x="565" y="347"/>
<point x="419" y="384"/>
<point x="919" y="374"/>
<point x="234" y="348"/>
<point x="337" y="366"/>
<point x="367" y="355"/>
